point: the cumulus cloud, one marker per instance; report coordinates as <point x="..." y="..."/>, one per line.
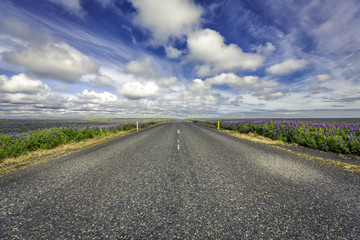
<point x="323" y="77"/>
<point x="198" y="85"/>
<point x="266" y="49"/>
<point x="22" y="84"/>
<point x="62" y="88"/>
<point x="21" y="95"/>
<point x="137" y="90"/>
<point x="232" y="80"/>
<point x="248" y="82"/>
<point x="32" y="103"/>
<point x="236" y="102"/>
<point x="166" y="19"/>
<point x="142" y="68"/>
<point x="198" y="91"/>
<point x="53" y="60"/>
<point x="287" y="67"/>
<point x="263" y="90"/>
<point x="207" y="47"/>
<point x="103" y="81"/>
<point x="15" y="27"/>
<point x="94" y="97"/>
<point x="172" y="52"/>
<point x="195" y="93"/>
<point x="269" y="95"/>
<point x="100" y="80"/>
<point x="166" y="82"/>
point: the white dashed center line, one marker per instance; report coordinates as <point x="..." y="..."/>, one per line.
<point x="178" y="145"/>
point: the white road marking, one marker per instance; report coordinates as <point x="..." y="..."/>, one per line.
<point x="178" y="140"/>
<point x="178" y="131"/>
<point x="178" y="147"/>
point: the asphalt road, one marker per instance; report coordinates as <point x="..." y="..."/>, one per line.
<point x="180" y="180"/>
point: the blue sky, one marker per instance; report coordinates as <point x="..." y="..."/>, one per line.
<point x="179" y="58"/>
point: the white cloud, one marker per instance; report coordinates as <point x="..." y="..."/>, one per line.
<point x="22" y="84"/>
<point x="198" y="85"/>
<point x="196" y="93"/>
<point x="166" y="82"/>
<point x="137" y="90"/>
<point x="16" y="28"/>
<point x="286" y="67"/>
<point x="166" y="19"/>
<point x="263" y="90"/>
<point x="103" y="81"/>
<point x="246" y="82"/>
<point x="73" y="6"/>
<point x="53" y="60"/>
<point x="94" y="97"/>
<point x="208" y="48"/>
<point x="62" y="88"/>
<point x="172" y="52"/>
<point x="142" y="68"/>
<point x="200" y="92"/>
<point x="100" y="80"/>
<point x="266" y="49"/>
<point x="116" y="74"/>
<point x="232" y="80"/>
<point x="32" y="103"/>
<point x="323" y="77"/>
<point x="269" y="95"/>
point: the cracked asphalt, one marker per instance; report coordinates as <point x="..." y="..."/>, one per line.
<point x="180" y="181"/>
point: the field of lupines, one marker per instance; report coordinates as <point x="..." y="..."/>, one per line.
<point x="18" y="137"/>
<point x="334" y="136"/>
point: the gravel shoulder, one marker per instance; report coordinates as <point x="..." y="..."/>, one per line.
<point x="345" y="158"/>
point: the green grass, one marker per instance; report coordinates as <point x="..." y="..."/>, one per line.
<point x="335" y="137"/>
<point x="23" y="143"/>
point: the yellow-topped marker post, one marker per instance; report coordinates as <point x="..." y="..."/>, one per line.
<point x="137" y="126"/>
<point x="218" y="125"/>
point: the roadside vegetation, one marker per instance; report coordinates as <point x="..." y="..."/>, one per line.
<point x="338" y="137"/>
<point x="19" y="137"/>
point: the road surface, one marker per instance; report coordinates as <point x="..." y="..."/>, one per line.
<point x="180" y="180"/>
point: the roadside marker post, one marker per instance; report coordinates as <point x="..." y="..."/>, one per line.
<point x="218" y="125"/>
<point x="137" y="126"/>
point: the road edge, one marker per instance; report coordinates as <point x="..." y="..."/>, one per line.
<point x="12" y="165"/>
<point x="278" y="145"/>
